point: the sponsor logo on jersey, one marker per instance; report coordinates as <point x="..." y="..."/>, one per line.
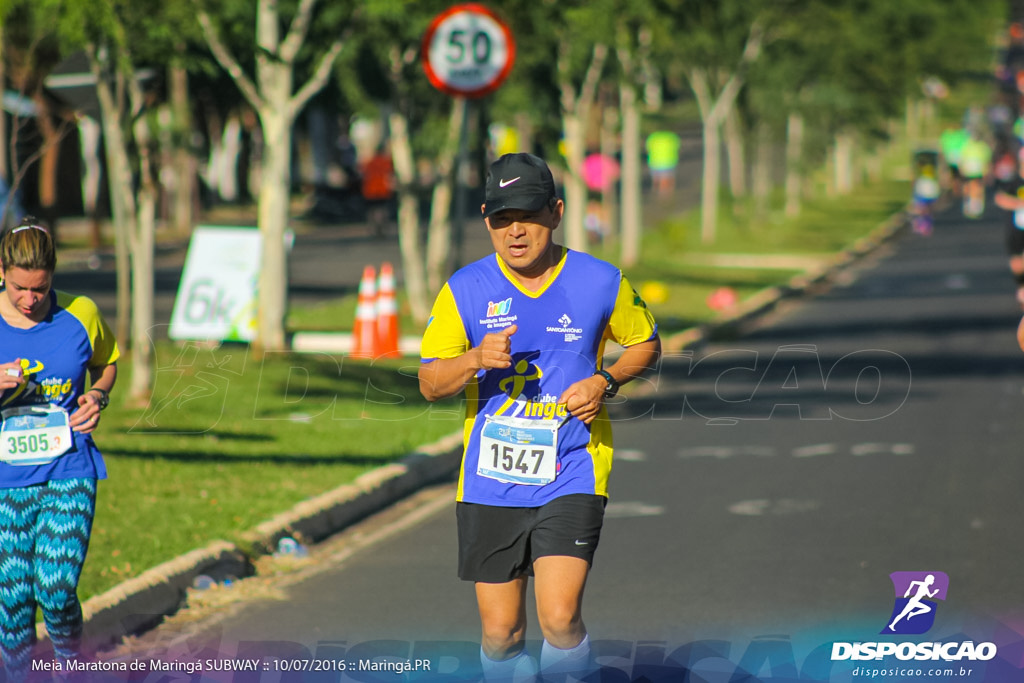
<point x="571" y="333"/>
<point x="499" y="308"/>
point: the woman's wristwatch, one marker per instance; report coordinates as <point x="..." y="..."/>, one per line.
<point x="104" y="399"/>
<point x="611" y="387"/>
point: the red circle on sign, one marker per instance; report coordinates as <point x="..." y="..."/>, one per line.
<point x="439" y="79"/>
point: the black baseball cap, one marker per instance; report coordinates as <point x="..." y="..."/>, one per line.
<point x="518" y="181"/>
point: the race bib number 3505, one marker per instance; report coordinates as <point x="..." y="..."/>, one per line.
<point x="518" y="451"/>
<point x="34" y="435"/>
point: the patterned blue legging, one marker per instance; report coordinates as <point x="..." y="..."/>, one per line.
<point x="44" y="535"/>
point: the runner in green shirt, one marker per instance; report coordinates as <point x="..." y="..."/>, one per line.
<point x="975" y="168"/>
<point x="952" y="142"/>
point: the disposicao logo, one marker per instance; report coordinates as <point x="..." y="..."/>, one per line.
<point x="916" y="592"/>
<point x="913" y="613"/>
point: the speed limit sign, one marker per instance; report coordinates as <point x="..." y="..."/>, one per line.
<point x="468" y="50"/>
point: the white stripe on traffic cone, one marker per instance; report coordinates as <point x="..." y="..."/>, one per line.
<point x="387" y="314"/>
<point x="364" y="332"/>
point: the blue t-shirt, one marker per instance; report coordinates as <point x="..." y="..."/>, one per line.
<point x="57" y="354"/>
<point x="561" y="333"/>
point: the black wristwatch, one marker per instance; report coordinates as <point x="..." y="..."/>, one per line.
<point x="611" y="387"/>
<point x="104" y="399"/>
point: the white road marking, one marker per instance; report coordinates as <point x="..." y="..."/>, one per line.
<point x="815" y="450"/>
<point x="868" y="449"/>
<point x="883" y="448"/>
<point x="750" y="507"/>
<point x="722" y="452"/>
<point x="633" y="508"/>
<point x="706" y="452"/>
<point x="809" y="451"/>
<point x="630" y="455"/>
<point x="763" y="506"/>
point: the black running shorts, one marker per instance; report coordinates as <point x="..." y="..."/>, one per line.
<point x="498" y="544"/>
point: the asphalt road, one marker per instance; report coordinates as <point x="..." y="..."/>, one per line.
<point x="765" y="488"/>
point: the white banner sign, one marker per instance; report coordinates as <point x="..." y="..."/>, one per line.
<point x="217" y="295"/>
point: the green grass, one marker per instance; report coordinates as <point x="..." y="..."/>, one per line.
<point x="669" y="251"/>
<point x="325" y="316"/>
<point x="229" y="439"/>
<point x="338" y="314"/>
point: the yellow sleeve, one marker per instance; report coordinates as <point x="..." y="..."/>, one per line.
<point x="445" y="336"/>
<point x="104" y="346"/>
<point x="631" y="323"/>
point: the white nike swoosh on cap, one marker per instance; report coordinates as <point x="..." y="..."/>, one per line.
<point x="503" y="183"/>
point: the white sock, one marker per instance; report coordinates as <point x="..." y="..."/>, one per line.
<point x="519" y="669"/>
<point x="556" y="664"/>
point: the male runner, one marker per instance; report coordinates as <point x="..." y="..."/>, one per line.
<point x="523" y="333"/>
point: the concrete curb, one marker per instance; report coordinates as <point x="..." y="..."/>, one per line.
<point x="141" y="603"/>
<point x="317" y="518"/>
<point x="729" y="322"/>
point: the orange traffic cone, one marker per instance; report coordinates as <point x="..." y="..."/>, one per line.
<point x="364" y="333"/>
<point x="387" y="314"/>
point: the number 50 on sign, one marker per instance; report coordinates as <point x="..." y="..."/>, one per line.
<point x="468" y="50"/>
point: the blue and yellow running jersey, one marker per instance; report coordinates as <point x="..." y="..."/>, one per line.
<point x="561" y="334"/>
<point x="56" y="356"/>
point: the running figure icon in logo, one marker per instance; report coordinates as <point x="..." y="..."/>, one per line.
<point x="916" y="589"/>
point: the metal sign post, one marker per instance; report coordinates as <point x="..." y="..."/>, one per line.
<point x="468" y="51"/>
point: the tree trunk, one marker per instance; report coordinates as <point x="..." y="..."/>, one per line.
<point x="794" y="162"/>
<point x="737" y="154"/>
<point x="912" y="120"/>
<point x="182" y="160"/>
<point x="524" y="131"/>
<point x="142" y="271"/>
<point x="709" y="188"/>
<point x="927" y="113"/>
<point x="711" y="115"/>
<point x="50" y="156"/>
<point x="439" y="230"/>
<point x="631" y="215"/>
<point x="4" y="150"/>
<point x="230" y="149"/>
<point x="214" y="135"/>
<point x="844" y="163"/>
<point x="609" y="199"/>
<point x="575" y="188"/>
<point x="272" y="98"/>
<point x="831" y="190"/>
<point x="762" y="176"/>
<point x="90" y="136"/>
<point x="273" y="218"/>
<point x="874" y="165"/>
<point x="575" y="114"/>
<point x="713" y="112"/>
<point x="409" y="219"/>
<point x="122" y="198"/>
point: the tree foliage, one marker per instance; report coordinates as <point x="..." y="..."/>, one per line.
<point x="845" y="64"/>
